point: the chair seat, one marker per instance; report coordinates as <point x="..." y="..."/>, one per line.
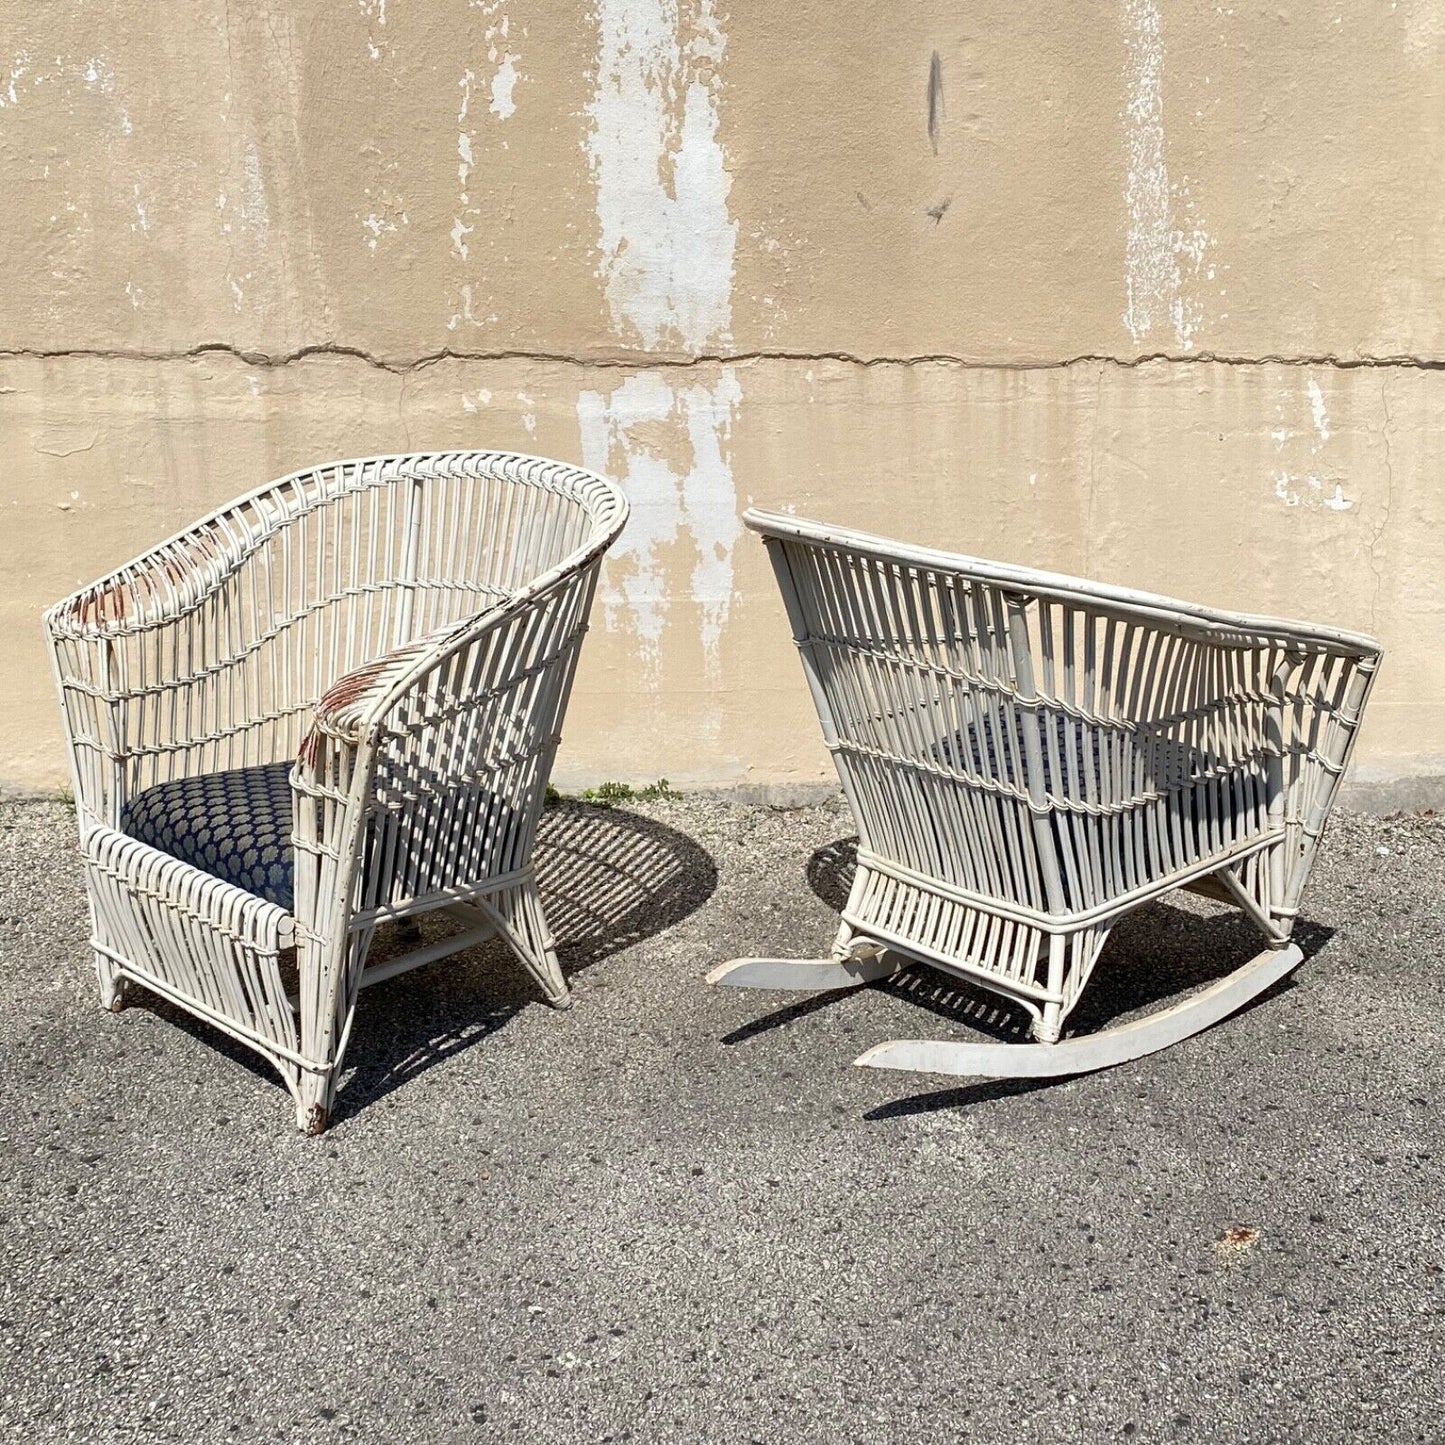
<point x="1084" y="750"/>
<point x="234" y="825"/>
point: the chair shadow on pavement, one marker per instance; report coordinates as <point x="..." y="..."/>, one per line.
<point x="1162" y="949"/>
<point x="609" y="879"/>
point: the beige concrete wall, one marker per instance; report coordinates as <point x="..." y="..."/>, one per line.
<point x="1147" y="289"/>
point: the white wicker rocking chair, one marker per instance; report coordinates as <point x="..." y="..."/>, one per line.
<point x="332" y="704"/>
<point x="1028" y="757"/>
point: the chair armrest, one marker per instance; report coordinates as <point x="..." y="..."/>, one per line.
<point x="350" y="709"/>
<point x="159" y="586"/>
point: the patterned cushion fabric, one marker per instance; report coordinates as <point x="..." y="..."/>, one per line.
<point x="1081" y="749"/>
<point x="234" y="825"/>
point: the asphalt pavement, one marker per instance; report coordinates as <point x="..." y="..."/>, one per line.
<point x="679" y="1214"/>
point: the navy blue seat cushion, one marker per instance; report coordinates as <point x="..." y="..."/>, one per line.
<point x="234" y="825"/>
<point x="1081" y="746"/>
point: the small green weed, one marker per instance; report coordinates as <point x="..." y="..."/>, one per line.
<point x="609" y="793"/>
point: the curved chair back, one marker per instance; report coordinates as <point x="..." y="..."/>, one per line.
<point x="1046" y="746"/>
<point x="212" y="648"/>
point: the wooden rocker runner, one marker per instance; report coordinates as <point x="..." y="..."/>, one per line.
<point x="1029" y="756"/>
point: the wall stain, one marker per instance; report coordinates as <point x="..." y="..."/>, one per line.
<point x="935" y="100"/>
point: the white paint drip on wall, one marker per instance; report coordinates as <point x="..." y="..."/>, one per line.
<point x="373" y="10"/>
<point x="666" y="249"/>
<point x="504" y="83"/>
<point x="465" y="313"/>
<point x="1155" y="245"/>
<point x="1310" y="487"/>
<point x="1317" y="411"/>
<point x="19" y="69"/>
<point x="460" y="229"/>
<point x="252" y="216"/>
<point x="501" y="90"/>
<point x="255" y="214"/>
<point x="620" y="434"/>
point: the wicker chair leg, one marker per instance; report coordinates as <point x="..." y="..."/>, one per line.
<point x="112" y="984"/>
<point x="313" y="1102"/>
<point x="330" y="981"/>
<point x="520" y="919"/>
<point x="1049" y="1025"/>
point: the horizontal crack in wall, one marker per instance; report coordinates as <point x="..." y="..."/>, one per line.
<point x="646" y="361"/>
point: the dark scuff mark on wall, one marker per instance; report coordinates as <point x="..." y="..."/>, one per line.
<point x="935" y="100"/>
<point x="936" y="211"/>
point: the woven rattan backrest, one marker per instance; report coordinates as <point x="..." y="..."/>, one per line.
<point x="1048" y="742"/>
<point x="220" y="640"/>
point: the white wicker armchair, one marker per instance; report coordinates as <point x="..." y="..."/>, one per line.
<point x="332" y="704"/>
<point x="1029" y="756"/>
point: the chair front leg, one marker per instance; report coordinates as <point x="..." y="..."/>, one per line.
<point x="330" y="970"/>
<point x="329" y="787"/>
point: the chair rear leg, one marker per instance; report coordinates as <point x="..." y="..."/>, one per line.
<point x="520" y="919"/>
<point x="112" y="984"/>
<point x="1071" y="960"/>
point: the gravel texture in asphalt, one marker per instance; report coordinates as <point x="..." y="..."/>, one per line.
<point x="678" y="1214"/>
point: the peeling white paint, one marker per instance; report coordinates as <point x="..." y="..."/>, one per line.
<point x="1309" y="491"/>
<point x="464" y="138"/>
<point x="254" y="212"/>
<point x="620" y="437"/>
<point x="501" y="56"/>
<point x="1317" y="411"/>
<point x="1311" y="485"/>
<point x="1157" y="242"/>
<point x="376" y="227"/>
<point x="1424" y="29"/>
<point x="666" y="241"/>
<point x="19" y="69"/>
<point x="504" y="83"/>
